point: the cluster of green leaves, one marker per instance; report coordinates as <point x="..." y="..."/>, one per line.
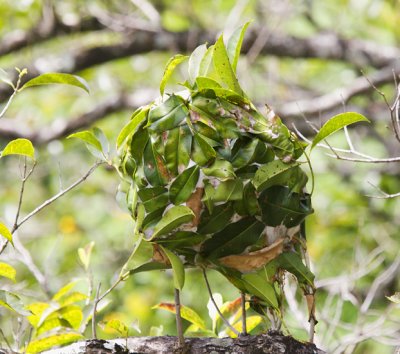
<point x="206" y="174"/>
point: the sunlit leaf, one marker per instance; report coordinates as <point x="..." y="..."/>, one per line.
<point x="85" y="254"/>
<point x="231" y="189"/>
<point x="5" y="232"/>
<point x="194" y="62"/>
<point x="206" y="61"/>
<point x="335" y="123"/>
<point x="169" y="69"/>
<point x="177" y="268"/>
<point x="64" y="290"/>
<point x="182" y="187"/>
<point x="116" y="325"/>
<point x="146" y="267"/>
<point x="19" y="146"/>
<point x="7" y="271"/>
<point x="186" y="312"/>
<point x="57" y="78"/>
<point x="137" y="117"/>
<point x="251" y="323"/>
<point x="72" y="298"/>
<point x="89" y="138"/>
<point x="173" y="218"/>
<point x="235" y="44"/>
<point x="205" y="83"/>
<point x="257" y="285"/>
<point x="394" y="298"/>
<point x="42" y="344"/>
<point x="224" y="68"/>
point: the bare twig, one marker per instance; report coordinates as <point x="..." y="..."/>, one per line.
<point x="244" y="320"/>
<point x="179" y="327"/>
<point x="58" y="195"/>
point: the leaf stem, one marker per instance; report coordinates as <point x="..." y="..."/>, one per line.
<point x="233" y="329"/>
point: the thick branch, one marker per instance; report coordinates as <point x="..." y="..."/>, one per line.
<point x="270" y="343"/>
<point x="324" y="46"/>
<point x="315" y="106"/>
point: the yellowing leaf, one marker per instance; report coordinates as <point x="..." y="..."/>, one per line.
<point x="169" y="69"/>
<point x="40" y="345"/>
<point x="85" y="254"/>
<point x="186" y="312"/>
<point x="7" y="271"/>
<point x="394" y="298"/>
<point x="5" y="232"/>
<point x="64" y="290"/>
<point x="57" y="78"/>
<point x="251" y="323"/>
<point x="115" y="325"/>
<point x="19" y="146"/>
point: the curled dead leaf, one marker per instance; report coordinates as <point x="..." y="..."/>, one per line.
<point x="310" y="298"/>
<point x="195" y="203"/>
<point x="253" y="260"/>
<point x="159" y="255"/>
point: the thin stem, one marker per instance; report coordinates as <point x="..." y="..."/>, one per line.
<point x="96" y="301"/>
<point x="179" y="328"/>
<point x="58" y="195"/>
<point x="234" y="330"/>
<point x="6" y="341"/>
<point x="244" y="319"/>
<point x="16" y="90"/>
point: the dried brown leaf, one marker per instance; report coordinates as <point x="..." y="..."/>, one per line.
<point x="253" y="260"/>
<point x="195" y="203"/>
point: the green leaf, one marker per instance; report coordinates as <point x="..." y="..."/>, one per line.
<point x="279" y="205"/>
<point x="85" y="254"/>
<point x="57" y="78"/>
<point x="5" y="232"/>
<point x="273" y="173"/>
<point x="177" y="268"/>
<point x="19" y="146"/>
<point x="137" y="117"/>
<point x="64" y="290"/>
<point x="173" y="218"/>
<point x="244" y="152"/>
<point x="89" y="138"/>
<point x="153" y="198"/>
<point x="195" y="61"/>
<point x="202" y="151"/>
<point x="115" y="325"/>
<point x="155" y="168"/>
<point x="168" y="114"/>
<point x="235" y="44"/>
<point x="205" y="83"/>
<point x="169" y="69"/>
<point x="183" y="186"/>
<point x="206" y="61"/>
<point x="232" y="189"/>
<point x="335" y="123"/>
<point x="186" y="312"/>
<point x="221" y="169"/>
<point x="233" y="239"/>
<point x="217" y="220"/>
<point x="180" y="239"/>
<point x="13" y="303"/>
<point x="40" y="345"/>
<point x="146" y="267"/>
<point x="224" y="68"/>
<point x="177" y="149"/>
<point x="258" y="286"/>
<point x="7" y="271"/>
<point x="292" y="262"/>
